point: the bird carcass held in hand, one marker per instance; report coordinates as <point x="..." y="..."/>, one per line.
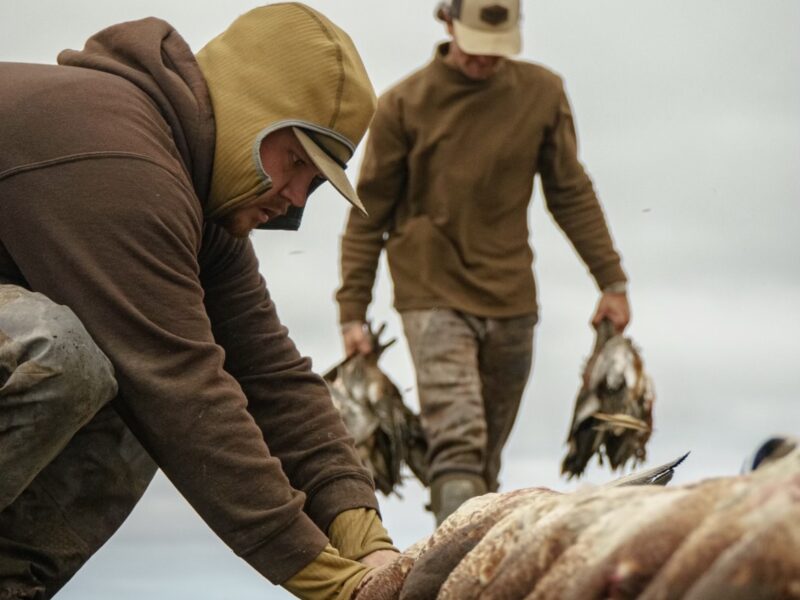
<point x="387" y="433"/>
<point x="613" y="410"/>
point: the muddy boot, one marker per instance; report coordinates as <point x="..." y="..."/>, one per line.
<point x="448" y="492"/>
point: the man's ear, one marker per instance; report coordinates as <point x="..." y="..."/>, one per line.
<point x="442" y="12"/>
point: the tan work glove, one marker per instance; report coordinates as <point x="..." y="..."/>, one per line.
<point x="361" y="543"/>
<point x="328" y="577"/>
<point x="359" y="534"/>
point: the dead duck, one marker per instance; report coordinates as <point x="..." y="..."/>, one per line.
<point x="612" y="418"/>
<point x="387" y="433"/>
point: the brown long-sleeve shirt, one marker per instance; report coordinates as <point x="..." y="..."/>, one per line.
<point x="104" y="172"/>
<point x="447" y="177"/>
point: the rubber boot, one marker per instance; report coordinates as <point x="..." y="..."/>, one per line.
<point x="448" y="492"/>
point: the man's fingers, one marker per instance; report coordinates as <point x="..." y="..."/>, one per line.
<point x="380" y="558"/>
<point x="356" y="340"/>
<point x="615" y="308"/>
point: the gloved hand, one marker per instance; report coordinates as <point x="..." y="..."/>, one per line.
<point x="328" y="577"/>
<point x="359" y="534"/>
<point x="361" y="544"/>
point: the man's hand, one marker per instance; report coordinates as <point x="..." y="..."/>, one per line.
<point x="356" y="339"/>
<point x="382" y="582"/>
<point x="379" y="558"/>
<point x="614" y="307"/>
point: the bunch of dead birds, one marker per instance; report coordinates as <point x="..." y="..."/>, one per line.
<point x="387" y="433"/>
<point x="612" y="418"/>
<point x="730" y="538"/>
<point x="613" y="415"/>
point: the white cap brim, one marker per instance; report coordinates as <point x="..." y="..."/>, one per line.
<point x="331" y="170"/>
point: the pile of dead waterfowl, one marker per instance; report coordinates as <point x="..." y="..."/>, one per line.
<point x="728" y="538"/>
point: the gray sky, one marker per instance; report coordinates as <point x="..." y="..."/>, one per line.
<point x="688" y="119"/>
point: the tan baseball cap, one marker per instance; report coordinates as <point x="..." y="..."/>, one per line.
<point x="487" y="27"/>
<point x="324" y="156"/>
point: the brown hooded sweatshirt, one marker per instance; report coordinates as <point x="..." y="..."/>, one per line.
<point x="105" y="165"/>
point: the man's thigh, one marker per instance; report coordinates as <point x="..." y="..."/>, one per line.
<point x="444" y="348"/>
<point x="71" y="469"/>
<point x="506" y="356"/>
<point x="53" y="379"/>
<point x="72" y="507"/>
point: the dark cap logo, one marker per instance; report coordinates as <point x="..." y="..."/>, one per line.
<point x="494" y="14"/>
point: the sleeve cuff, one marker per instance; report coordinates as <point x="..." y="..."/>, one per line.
<point x="620" y="287"/>
<point x="608" y="275"/>
<point x="351" y="311"/>
<point x="338" y="495"/>
<point x="359" y="532"/>
<point x="328" y="576"/>
<point x="286" y="553"/>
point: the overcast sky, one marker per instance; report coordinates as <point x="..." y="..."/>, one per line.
<point x="688" y="116"/>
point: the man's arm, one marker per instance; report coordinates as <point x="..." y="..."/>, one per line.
<point x="290" y="404"/>
<point x="571" y="199"/>
<point x="293" y="408"/>
<point x="380" y="186"/>
<point x="116" y="239"/>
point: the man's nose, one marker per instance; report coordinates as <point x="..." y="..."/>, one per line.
<point x="296" y="193"/>
<point x="486" y="61"/>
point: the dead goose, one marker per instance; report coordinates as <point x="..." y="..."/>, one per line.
<point x="623" y="562"/>
<point x="385" y="583"/>
<point x="456" y="536"/>
<point x="482" y="563"/>
<point x="552" y="535"/>
<point x="391" y="579"/>
<point x="763" y="564"/>
<point x="729" y="537"/>
<point x="451" y="553"/>
<point x="745" y="503"/>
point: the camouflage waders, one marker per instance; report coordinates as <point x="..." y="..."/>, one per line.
<point x="471" y="373"/>
<point x="70" y="470"/>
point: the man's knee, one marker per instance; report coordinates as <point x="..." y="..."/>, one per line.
<point x="46" y="354"/>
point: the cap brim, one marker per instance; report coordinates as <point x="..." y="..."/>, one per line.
<point x="329" y="168"/>
<point x="489" y="43"/>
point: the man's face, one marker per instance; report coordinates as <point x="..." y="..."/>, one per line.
<point x="292" y="173"/>
<point x="474" y="66"/>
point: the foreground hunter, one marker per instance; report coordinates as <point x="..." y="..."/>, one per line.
<point x="135" y="329"/>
